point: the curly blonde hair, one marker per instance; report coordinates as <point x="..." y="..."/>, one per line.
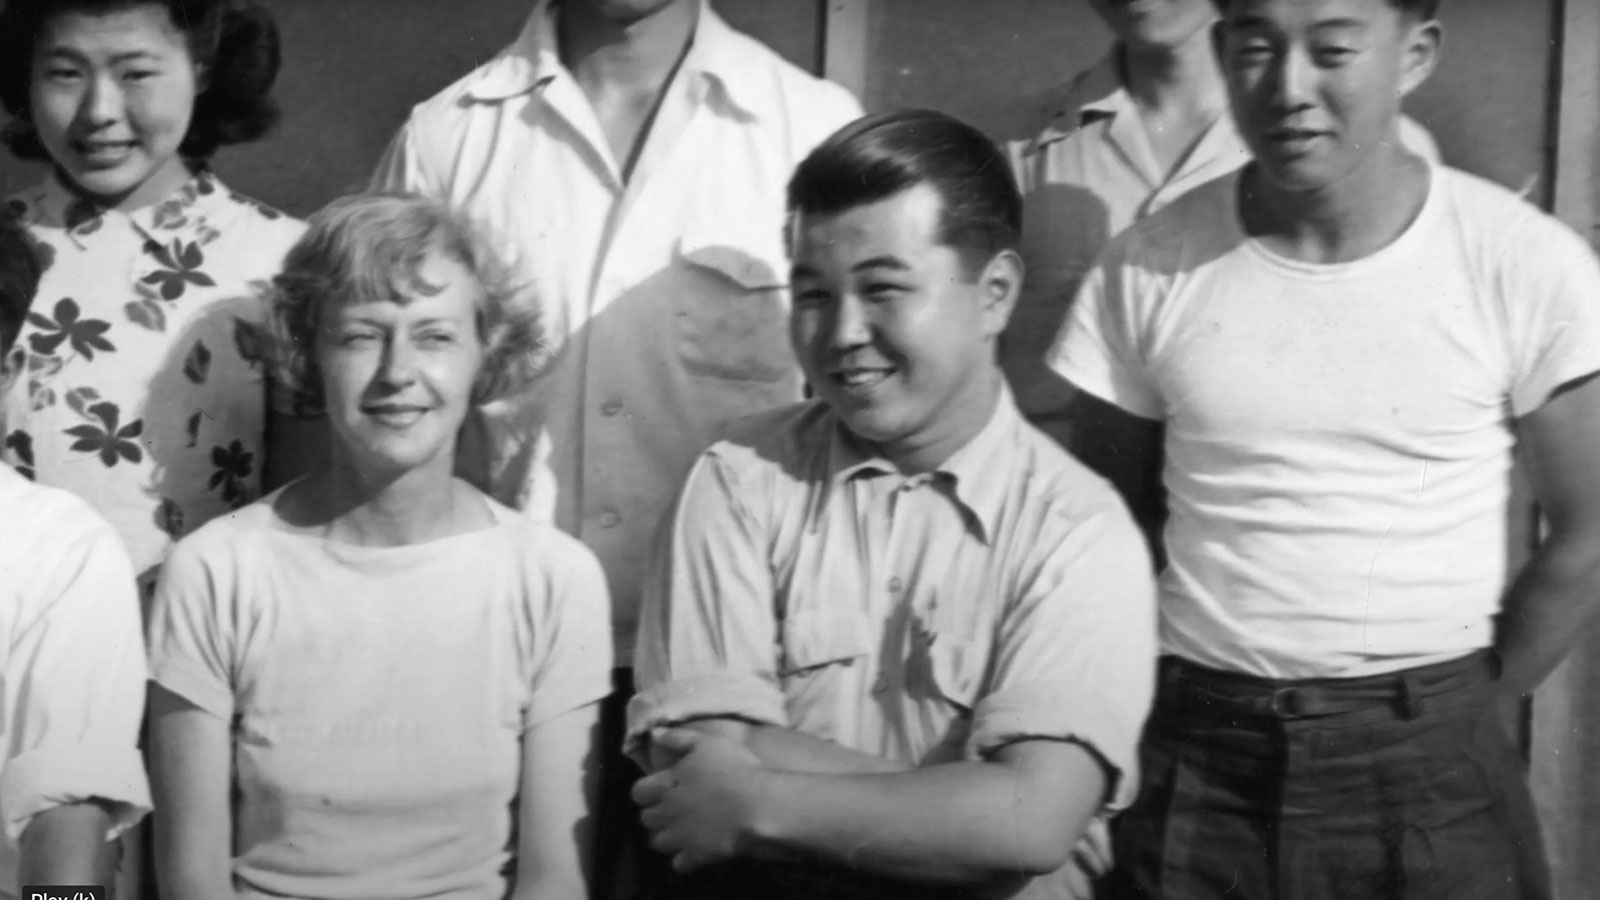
<point x="371" y="246"/>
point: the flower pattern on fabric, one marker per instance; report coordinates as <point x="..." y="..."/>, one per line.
<point x="234" y="465"/>
<point x="145" y="390"/>
<point x="105" y="439"/>
<point x="180" y="266"/>
<point x="85" y="335"/>
<point x="20" y="446"/>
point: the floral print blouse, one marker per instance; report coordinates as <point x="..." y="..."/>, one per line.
<point x="145" y="390"/>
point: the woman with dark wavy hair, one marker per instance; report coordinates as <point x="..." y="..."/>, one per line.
<point x="146" y="390"/>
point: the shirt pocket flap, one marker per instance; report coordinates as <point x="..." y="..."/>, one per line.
<point x="956" y="665"/>
<point x="744" y="259"/>
<point x="819" y="637"/>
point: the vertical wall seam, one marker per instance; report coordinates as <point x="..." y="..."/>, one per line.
<point x="846" y="43"/>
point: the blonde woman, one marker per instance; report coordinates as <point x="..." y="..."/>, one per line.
<point x="396" y="675"/>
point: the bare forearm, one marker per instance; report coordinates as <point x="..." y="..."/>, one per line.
<point x="564" y="887"/>
<point x="787" y="750"/>
<point x="1547" y="608"/>
<point x="67" y="846"/>
<point x="959" y="823"/>
<point x="191" y="875"/>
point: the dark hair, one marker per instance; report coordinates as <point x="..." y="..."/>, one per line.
<point x="20" y="268"/>
<point x="370" y="246"/>
<point x="233" y="43"/>
<point x="1424" y="10"/>
<point x="878" y="156"/>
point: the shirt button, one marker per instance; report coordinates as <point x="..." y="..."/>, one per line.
<point x="611" y="407"/>
<point x="882" y="684"/>
<point x="896" y="585"/>
<point x="609" y="519"/>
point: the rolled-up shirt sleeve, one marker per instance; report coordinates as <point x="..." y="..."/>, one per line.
<point x="708" y="630"/>
<point x="1075" y="654"/>
<point x="75" y="685"/>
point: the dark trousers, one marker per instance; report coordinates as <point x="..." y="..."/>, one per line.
<point x="625" y="866"/>
<point x="1395" y="787"/>
<point x="747" y="880"/>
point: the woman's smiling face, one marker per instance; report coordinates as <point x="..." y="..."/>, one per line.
<point x="112" y="95"/>
<point x="398" y="373"/>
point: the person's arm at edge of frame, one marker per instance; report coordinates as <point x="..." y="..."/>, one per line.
<point x="1021" y="811"/>
<point x="1555" y="596"/>
<point x="556" y="821"/>
<point x="190" y="776"/>
<point x="67" y="845"/>
<point x="80" y="668"/>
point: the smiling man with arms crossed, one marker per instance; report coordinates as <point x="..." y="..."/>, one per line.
<point x="896" y="637"/>
<point x="1345" y="343"/>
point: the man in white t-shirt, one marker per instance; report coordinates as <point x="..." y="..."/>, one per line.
<point x="71" y="659"/>
<point x="1345" y="344"/>
<point x="1143" y="126"/>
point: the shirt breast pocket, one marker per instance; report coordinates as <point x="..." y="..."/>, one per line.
<point x="818" y="639"/>
<point x="731" y="320"/>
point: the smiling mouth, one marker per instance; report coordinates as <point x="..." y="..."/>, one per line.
<point x="860" y="380"/>
<point x="1293" y="138"/>
<point x="395" y="416"/>
<point x="104" y="151"/>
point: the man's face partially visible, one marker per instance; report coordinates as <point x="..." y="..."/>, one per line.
<point x="1145" y="25"/>
<point x="628" y="11"/>
<point x="1316" y="85"/>
<point x="892" y="330"/>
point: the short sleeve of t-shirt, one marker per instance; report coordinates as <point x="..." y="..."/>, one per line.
<point x="1098" y="349"/>
<point x="191" y="628"/>
<point x="1550" y="288"/>
<point x="572" y="631"/>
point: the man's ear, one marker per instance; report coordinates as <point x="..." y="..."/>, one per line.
<point x="12" y="365"/>
<point x="1002" y="285"/>
<point x="1420" y="54"/>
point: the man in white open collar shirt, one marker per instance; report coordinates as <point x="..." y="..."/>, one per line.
<point x="630" y="158"/>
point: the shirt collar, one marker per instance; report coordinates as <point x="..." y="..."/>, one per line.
<point x="196" y="209"/>
<point x="1096" y="94"/>
<point x="978" y="474"/>
<point x="717" y="54"/>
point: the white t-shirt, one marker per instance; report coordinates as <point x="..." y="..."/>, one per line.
<point x="1338" y="436"/>
<point x="72" y="672"/>
<point x="379" y="695"/>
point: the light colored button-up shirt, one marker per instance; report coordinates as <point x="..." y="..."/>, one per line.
<point x="663" y="297"/>
<point x="1085" y="178"/>
<point x="806" y="583"/>
<point x="72" y="668"/>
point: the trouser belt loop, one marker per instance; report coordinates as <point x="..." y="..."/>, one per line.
<point x="1411" y="695"/>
